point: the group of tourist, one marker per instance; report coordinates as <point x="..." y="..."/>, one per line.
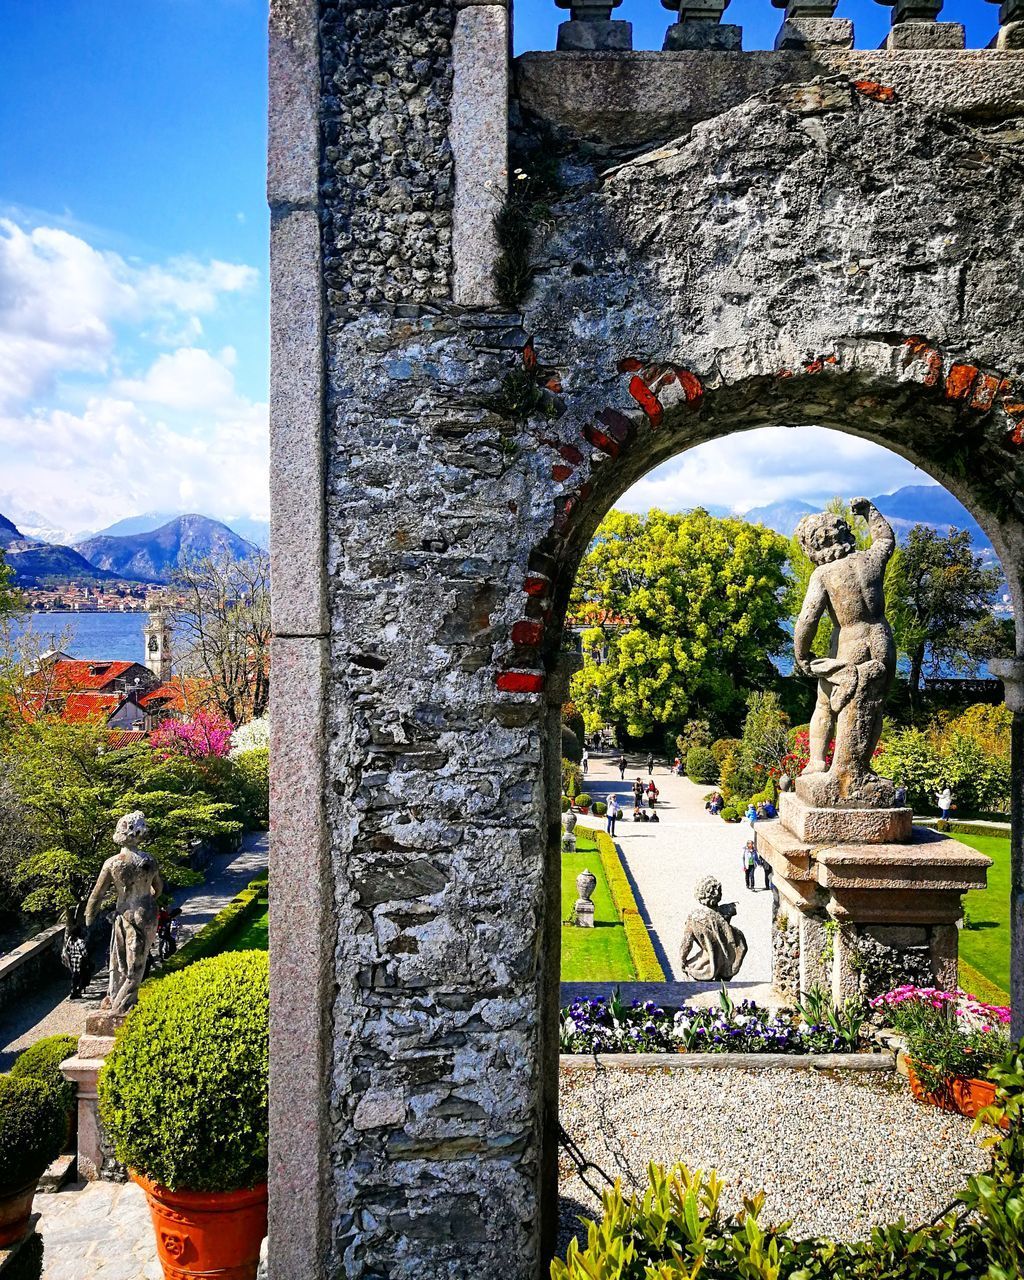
<point x="751" y="861"/>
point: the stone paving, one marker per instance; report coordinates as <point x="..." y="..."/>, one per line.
<point x="48" y="1011"/>
<point x="664" y="862"/>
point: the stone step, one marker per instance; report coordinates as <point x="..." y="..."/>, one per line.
<point x="58" y="1173"/>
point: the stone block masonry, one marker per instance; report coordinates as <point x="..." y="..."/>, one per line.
<point x="780" y="265"/>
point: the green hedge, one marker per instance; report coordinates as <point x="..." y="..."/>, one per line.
<point x="183" y="1093"/>
<point x="33" y="1126"/>
<point x="41" y="1061"/>
<point x="641" y="949"/>
<point x="954" y="828"/>
<point x="210" y="939"/>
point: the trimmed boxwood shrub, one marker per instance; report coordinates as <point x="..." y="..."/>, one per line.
<point x="730" y="814"/>
<point x="183" y="1094"/>
<point x="33" y="1125"/>
<point x="638" y="940"/>
<point x="41" y="1061"/>
<point x="701" y="765"/>
<point x="215" y="934"/>
<point x="583" y="800"/>
<point x="600" y="808"/>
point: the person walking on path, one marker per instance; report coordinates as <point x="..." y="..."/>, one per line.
<point x="650" y="764"/>
<point x="621" y="762"/>
<point x="585" y="760"/>
<point x="638" y="794"/>
<point x="75" y="958"/>
<point x="652" y="794"/>
<point x="749" y="863"/>
<point x="945" y="801"/>
<point x="613" y="813"/>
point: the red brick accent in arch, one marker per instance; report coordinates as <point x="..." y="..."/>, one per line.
<point x="520" y="681"/>
<point x="527" y="633"/>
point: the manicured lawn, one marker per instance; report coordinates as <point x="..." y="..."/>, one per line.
<point x="253" y="935"/>
<point x="599" y="954"/>
<point x="986" y="946"/>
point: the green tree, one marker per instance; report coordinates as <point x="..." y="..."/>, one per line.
<point x="697" y="605"/>
<point x="74" y="790"/>
<point x="11" y="601"/>
<point x="941" y="607"/>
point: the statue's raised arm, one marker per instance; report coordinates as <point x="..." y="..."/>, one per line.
<point x="883" y="540"/>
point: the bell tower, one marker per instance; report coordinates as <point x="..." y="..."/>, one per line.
<point x="157" y="636"/>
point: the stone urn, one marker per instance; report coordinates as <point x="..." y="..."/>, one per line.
<point x="569" y="822"/>
<point x="583" y="912"/>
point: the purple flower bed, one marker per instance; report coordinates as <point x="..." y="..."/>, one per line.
<point x="612" y="1026"/>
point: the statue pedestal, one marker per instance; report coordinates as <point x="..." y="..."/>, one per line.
<point x="857" y="915"/>
<point x="94" y="1156"/>
<point x="583" y="913"/>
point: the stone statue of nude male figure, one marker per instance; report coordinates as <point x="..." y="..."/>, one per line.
<point x="135" y="877"/>
<point x="854" y="679"/>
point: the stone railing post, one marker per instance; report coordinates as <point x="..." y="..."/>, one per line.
<point x="811" y="24"/>
<point x="915" y="25"/>
<point x="700" y="26"/>
<point x="1011" y="672"/>
<point x="590" y="27"/>
<point x="1011" y="25"/>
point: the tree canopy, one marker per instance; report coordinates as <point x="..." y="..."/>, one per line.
<point x="939" y="597"/>
<point x="688" y="611"/>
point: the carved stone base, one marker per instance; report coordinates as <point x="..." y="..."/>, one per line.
<point x="926" y="35"/>
<point x="700" y="33"/>
<point x="823" y="791"/>
<point x="815" y="33"/>
<point x="860" y="915"/>
<point x="583" y="913"/>
<point x="594" y="34"/>
<point x="94" y="1157"/>
<point x="843" y="826"/>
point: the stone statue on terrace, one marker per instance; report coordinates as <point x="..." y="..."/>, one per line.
<point x="135" y="878"/>
<point x="712" y="948"/>
<point x="848" y="586"/>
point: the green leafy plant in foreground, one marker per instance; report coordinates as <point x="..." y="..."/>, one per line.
<point x="677" y="1228"/>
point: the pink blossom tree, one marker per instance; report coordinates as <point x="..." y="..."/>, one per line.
<point x="206" y="734"/>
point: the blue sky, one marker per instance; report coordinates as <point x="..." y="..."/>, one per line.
<point x="133" y="272"/>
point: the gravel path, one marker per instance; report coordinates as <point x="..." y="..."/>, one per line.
<point x="664" y="863"/>
<point x="47" y="1011"/>
<point x="836" y="1153"/>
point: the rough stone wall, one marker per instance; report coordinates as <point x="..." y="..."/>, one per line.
<point x="386" y="172"/>
<point x="816" y="257"/>
<point x="785" y="956"/>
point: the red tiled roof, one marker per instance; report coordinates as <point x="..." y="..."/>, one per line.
<point x="175" y="695"/>
<point x="125" y="738"/>
<point x="80" y="707"/>
<point x="80" y="675"/>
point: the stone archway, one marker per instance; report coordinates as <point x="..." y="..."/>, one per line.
<point x="838" y="253"/>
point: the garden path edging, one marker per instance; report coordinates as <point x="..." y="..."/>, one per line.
<point x="746" y="1061"/>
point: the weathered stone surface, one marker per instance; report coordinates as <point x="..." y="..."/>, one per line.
<point x="649" y="96"/>
<point x="301" y="943"/>
<point x="134" y="877"/>
<point x="810" y="34"/>
<point x="847" y="584"/>
<point x="479" y="150"/>
<point x="704" y="34"/>
<point x="293" y="142"/>
<point x="606" y="34"/>
<point x="926" y="35"/>
<point x="712" y="948"/>
<point x="297" y="521"/>
<point x="812" y="825"/>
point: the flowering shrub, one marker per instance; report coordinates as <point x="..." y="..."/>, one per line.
<point x="612" y="1026"/>
<point x="949" y="1034"/>
<point x="207" y="734"/>
<point x="254" y="736"/>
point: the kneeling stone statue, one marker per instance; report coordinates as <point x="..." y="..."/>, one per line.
<point x="713" y="948"/>
<point x="135" y="877"/>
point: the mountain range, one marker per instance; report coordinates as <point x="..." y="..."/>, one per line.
<point x="150" y="555"/>
<point x="913" y="504"/>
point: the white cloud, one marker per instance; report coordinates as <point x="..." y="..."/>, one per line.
<point x="753" y="468"/>
<point x="96" y="421"/>
<point x="189" y="378"/>
<point x="60" y="300"/>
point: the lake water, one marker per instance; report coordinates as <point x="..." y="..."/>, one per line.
<point x="93" y="635"/>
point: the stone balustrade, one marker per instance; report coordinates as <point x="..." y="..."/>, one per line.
<point x="806" y="25"/>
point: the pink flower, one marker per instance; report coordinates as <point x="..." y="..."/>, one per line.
<point x="208" y="733"/>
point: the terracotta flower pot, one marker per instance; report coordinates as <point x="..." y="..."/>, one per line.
<point x="207" y="1233"/>
<point x="15" y="1211"/>
<point x="967" y="1097"/>
<point x="584" y="808"/>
